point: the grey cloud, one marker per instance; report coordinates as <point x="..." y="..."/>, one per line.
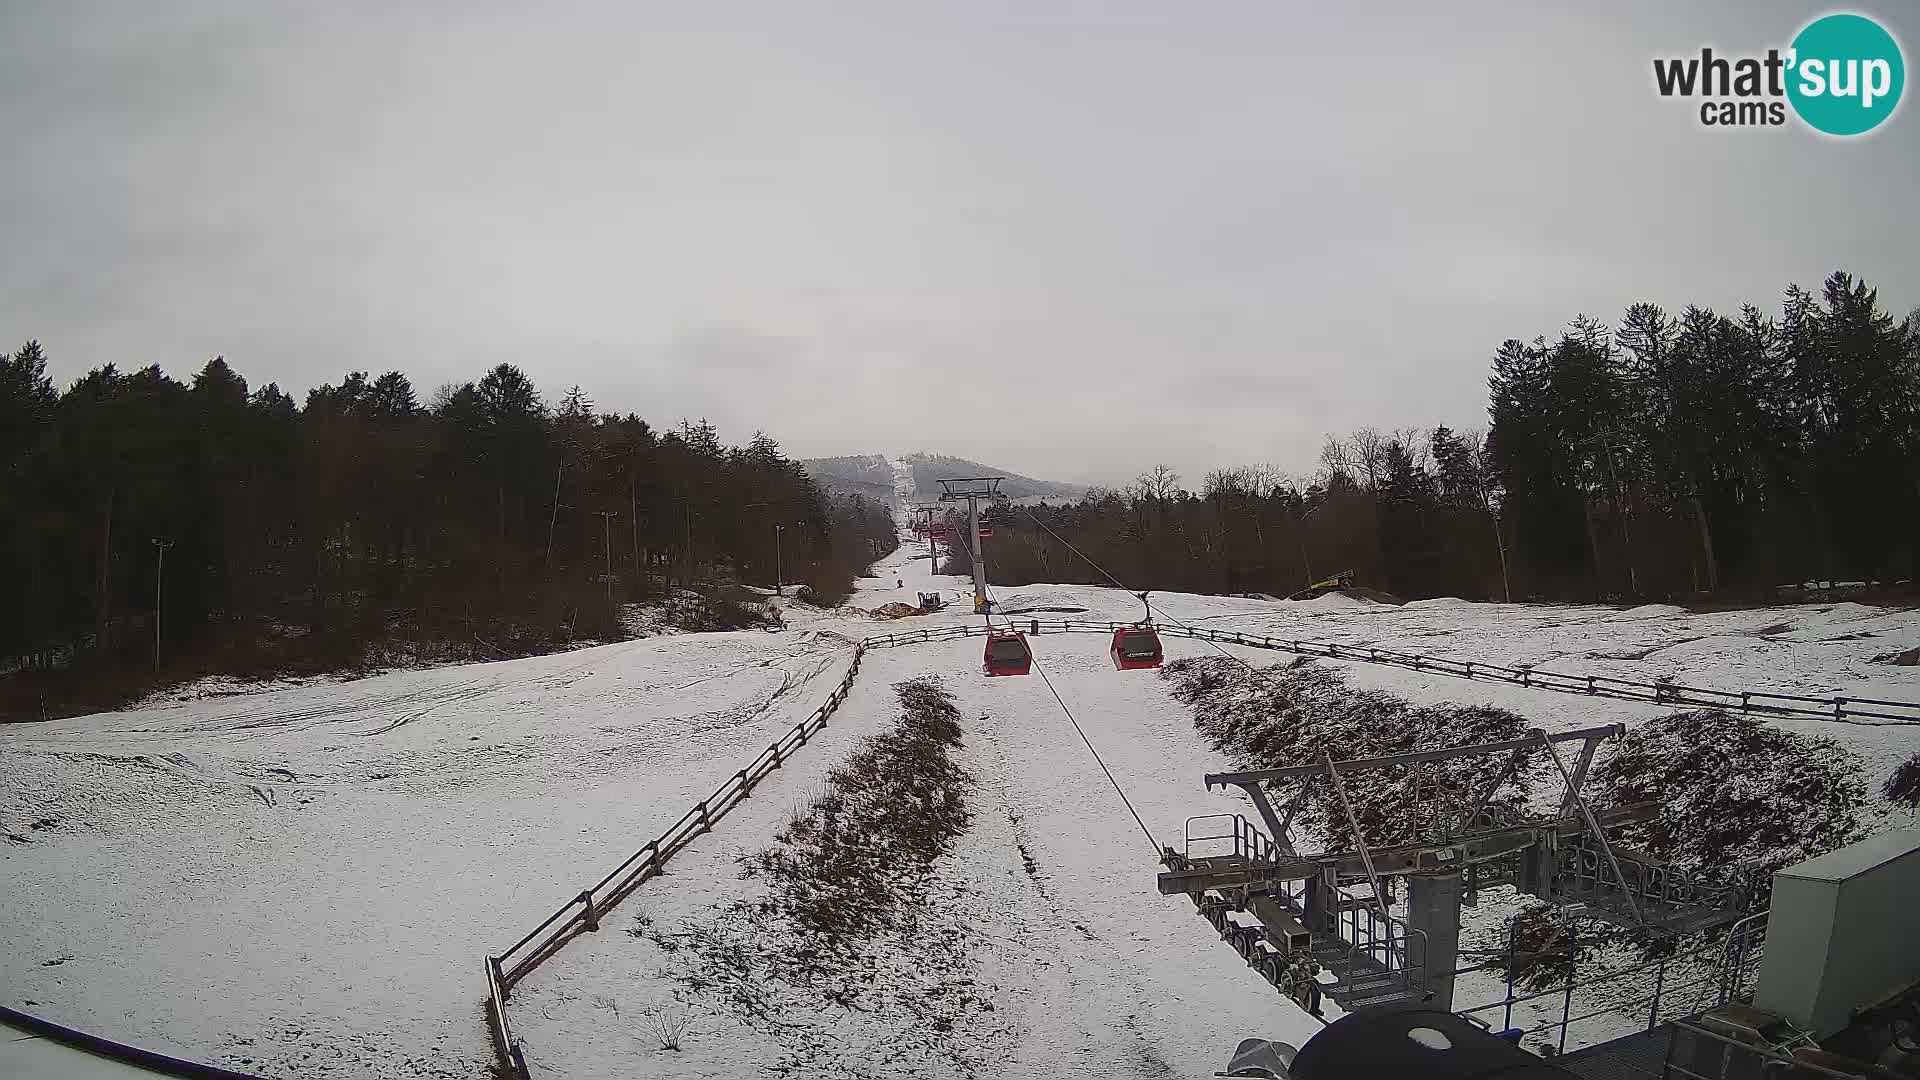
<point x="1072" y="238"/>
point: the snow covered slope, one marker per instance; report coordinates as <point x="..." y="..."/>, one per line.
<point x="302" y="882"/>
<point x="1047" y="910"/>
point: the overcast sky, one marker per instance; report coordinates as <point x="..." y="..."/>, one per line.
<point x="1071" y="239"/>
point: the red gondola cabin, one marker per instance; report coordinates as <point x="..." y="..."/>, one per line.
<point x="1136" y="647"/>
<point x="1007" y="653"/>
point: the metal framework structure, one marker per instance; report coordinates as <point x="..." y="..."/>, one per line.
<point x="1274" y="903"/>
<point x="973" y="489"/>
<point x="924" y="528"/>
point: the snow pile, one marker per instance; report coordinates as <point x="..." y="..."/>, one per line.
<point x="1283" y="716"/>
<point x="1340" y="600"/>
<point x="1441" y="603"/>
<point x="693" y="611"/>
<point x="895" y="610"/>
<point x="1739" y="797"/>
<point x="1051" y="598"/>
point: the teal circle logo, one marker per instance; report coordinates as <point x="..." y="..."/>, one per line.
<point x="1846" y="74"/>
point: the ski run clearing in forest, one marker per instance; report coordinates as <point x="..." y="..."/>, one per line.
<point x="300" y="882"/>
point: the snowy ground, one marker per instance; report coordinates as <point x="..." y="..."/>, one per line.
<point x="1088" y="968"/>
<point x="303" y="881"/>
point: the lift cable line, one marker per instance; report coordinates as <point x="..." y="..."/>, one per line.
<point x="987" y="614"/>
<point x="1175" y="619"/>
<point x="1414" y="958"/>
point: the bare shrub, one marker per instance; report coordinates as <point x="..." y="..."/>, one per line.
<point x="1739" y="797"/>
<point x="1288" y="715"/>
<point x="1903" y="787"/>
<point x="846" y="860"/>
<point x="1545" y="949"/>
<point x="859" y="953"/>
<point x="667" y="1024"/>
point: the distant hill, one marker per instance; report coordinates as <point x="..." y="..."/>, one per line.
<point x="929" y="468"/>
<point x="872" y="475"/>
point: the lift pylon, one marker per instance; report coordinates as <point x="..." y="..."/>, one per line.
<point x="973" y="489"/>
<point x="1340" y="899"/>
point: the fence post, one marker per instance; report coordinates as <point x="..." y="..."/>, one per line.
<point x="1566" y="1006"/>
<point x="1512" y="942"/>
<point x="1659" y="982"/>
<point x="746" y="787"/>
<point x="591" y="918"/>
<point x="706" y="823"/>
<point x="1839" y="708"/>
<point x="778" y="758"/>
<point x="1469" y="669"/>
<point x="499" y="976"/>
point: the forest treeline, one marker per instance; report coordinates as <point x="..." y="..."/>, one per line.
<point x="1668" y="456"/>
<point x="275" y="535"/>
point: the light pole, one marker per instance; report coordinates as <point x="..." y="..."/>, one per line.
<point x="778" y="576"/>
<point x="159" y="575"/>
<point x="606" y="521"/>
<point x="1304" y="515"/>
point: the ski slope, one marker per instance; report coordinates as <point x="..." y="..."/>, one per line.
<point x="1089" y="970"/>
<point x="301" y="882"/>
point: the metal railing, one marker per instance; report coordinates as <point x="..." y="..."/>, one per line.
<point x="1382" y="950"/>
<point x="1845" y="709"/>
<point x="1736" y="1058"/>
<point x="583" y="913"/>
<point x="1655" y="886"/>
<point x="1712" y="974"/>
<point x="1247" y="839"/>
<point x="1658" y="693"/>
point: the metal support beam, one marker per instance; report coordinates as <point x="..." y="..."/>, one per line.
<point x="1579" y="777"/>
<point x="1347" y="866"/>
<point x="1513" y="764"/>
<point x="1285" y="838"/>
<point x="1433" y="908"/>
<point x="1599" y="836"/>
<point x="1353" y="822"/>
<point x="1261" y="803"/>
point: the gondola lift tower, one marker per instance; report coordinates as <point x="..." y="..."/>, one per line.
<point x="973" y="489"/>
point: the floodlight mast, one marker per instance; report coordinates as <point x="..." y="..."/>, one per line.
<point x="973" y="489"/>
